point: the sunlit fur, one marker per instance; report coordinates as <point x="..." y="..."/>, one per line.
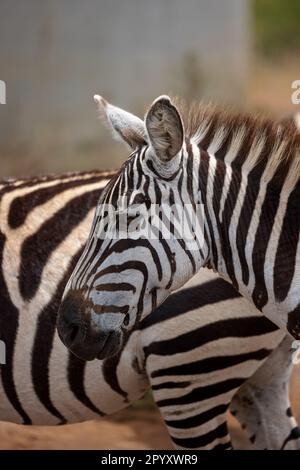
<point x="280" y="149"/>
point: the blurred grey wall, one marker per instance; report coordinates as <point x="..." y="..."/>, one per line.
<point x="55" y="55"/>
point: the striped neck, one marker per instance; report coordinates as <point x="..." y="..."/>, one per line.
<point x="252" y="227"/>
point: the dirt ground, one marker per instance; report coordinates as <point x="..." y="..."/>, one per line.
<point x="129" y="429"/>
<point x="133" y="428"/>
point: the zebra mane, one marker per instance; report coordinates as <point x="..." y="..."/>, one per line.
<point x="273" y="147"/>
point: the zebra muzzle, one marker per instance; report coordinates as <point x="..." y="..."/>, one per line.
<point x="77" y="333"/>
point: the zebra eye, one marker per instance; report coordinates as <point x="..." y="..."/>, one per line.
<point x="126" y="320"/>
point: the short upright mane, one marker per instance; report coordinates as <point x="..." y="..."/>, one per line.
<point x="272" y="146"/>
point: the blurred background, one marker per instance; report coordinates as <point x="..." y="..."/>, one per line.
<point x="54" y="56"/>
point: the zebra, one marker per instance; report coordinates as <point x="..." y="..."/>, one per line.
<point x="43" y="227"/>
<point x="244" y="174"/>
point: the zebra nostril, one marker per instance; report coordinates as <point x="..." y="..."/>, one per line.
<point x="74" y="329"/>
<point x="126" y="320"/>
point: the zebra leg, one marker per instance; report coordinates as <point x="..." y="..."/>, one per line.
<point x="194" y="425"/>
<point x="199" y="431"/>
<point x="262" y="404"/>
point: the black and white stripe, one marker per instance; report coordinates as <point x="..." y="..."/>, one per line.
<point x="246" y="174"/>
<point x="44" y="224"/>
<point x="243" y="171"/>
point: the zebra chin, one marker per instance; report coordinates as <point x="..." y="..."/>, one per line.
<point x="102" y="346"/>
<point x="101" y="350"/>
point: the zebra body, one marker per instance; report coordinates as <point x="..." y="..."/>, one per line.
<point x="42" y="383"/>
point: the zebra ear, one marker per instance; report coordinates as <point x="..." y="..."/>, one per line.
<point x="164" y="128"/>
<point x="125" y="126"/>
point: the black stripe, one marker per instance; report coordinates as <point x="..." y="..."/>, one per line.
<point x="293" y="322"/>
<point x="211" y="364"/>
<point x="76" y="368"/>
<point x="244" y="224"/>
<point x="210" y="133"/>
<point x="229" y="206"/>
<point x="11" y="184"/>
<point x="192" y="298"/>
<point x="43" y="242"/>
<point x="203" y="393"/>
<point x="43" y="343"/>
<point x="252" y="190"/>
<point x="294" y="434"/>
<point x="203" y="181"/>
<point x="262" y="237"/>
<point x="118" y="247"/>
<point x="110" y="308"/>
<point x="201" y="441"/>
<point x="220" y="154"/>
<point x="109" y="370"/>
<point x="228" y="328"/>
<point x="197" y="420"/>
<point x="134" y="265"/>
<point x="9" y="322"/>
<point x="218" y="183"/>
<point x="82" y="269"/>
<point x="126" y="244"/>
<point x="285" y="261"/>
<point x="190" y="173"/>
<point x="22" y="205"/>
<point x="173" y="230"/>
<point x="115" y="286"/>
<point x="226" y="446"/>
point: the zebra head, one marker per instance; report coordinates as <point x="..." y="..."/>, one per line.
<point x="139" y="237"/>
